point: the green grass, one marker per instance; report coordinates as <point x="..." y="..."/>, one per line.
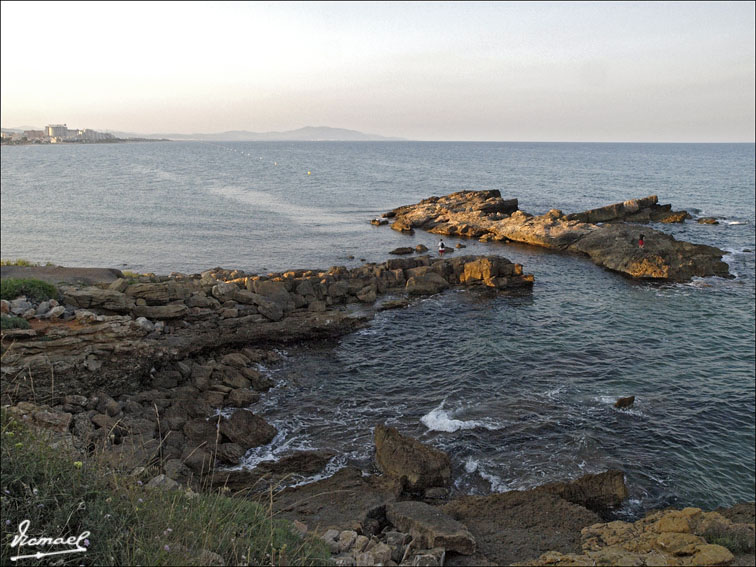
<point x="22" y="262"/>
<point x="64" y="495"/>
<point x="36" y="290"/>
<point x="13" y="322"/>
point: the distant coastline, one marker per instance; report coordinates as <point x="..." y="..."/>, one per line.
<point x="9" y="142"/>
<point x="305" y="134"/>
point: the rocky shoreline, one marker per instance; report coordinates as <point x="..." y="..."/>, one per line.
<point x="167" y="367"/>
<point x="155" y="375"/>
<point x="608" y="235"/>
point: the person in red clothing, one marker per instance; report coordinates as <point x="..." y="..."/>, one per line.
<point x="441" y="246"/>
<point x="641" y="242"/>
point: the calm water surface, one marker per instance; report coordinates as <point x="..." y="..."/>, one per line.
<point x="519" y="389"/>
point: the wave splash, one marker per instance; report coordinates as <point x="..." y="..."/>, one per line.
<point x="439" y="419"/>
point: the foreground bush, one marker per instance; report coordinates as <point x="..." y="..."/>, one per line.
<point x="36" y="290"/>
<point x="13" y="322"/>
<point x="62" y="496"/>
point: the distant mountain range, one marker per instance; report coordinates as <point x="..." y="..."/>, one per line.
<point x="306" y="134"/>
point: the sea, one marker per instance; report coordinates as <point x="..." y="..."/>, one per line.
<point x="519" y="389"/>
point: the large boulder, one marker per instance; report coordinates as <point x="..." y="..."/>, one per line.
<point x="418" y="466"/>
<point x="274" y="291"/>
<point x="247" y="429"/>
<point x="427" y="284"/>
<point x="159" y="293"/>
<point x="97" y="298"/>
<point x="430" y="526"/>
<point x="484" y="270"/>
<point x="512" y="527"/>
<point x="600" y="492"/>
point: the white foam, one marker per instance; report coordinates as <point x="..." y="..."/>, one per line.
<point x="439" y="419"/>
<point x="497" y="484"/>
<point x="471" y="465"/>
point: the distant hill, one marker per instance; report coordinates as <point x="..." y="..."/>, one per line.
<point x="306" y="134"/>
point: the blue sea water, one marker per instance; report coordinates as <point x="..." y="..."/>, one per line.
<point x="519" y="389"/>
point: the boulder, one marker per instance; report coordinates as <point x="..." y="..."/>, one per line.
<point x="172" y="311"/>
<point x="430" y="526"/>
<point x="600" y="492"/>
<point x="200" y="432"/>
<point x="274" y="291"/>
<point x="159" y="293"/>
<point x="402" y="457"/>
<point x="247" y="429"/>
<point x="241" y="398"/>
<point x="427" y="284"/>
<point x="270" y="310"/>
<point x="402" y="251"/>
<point x="511" y="527"/>
<point x="624" y="402"/>
<point x="97" y="298"/>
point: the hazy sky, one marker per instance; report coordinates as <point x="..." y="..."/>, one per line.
<point x="509" y="71"/>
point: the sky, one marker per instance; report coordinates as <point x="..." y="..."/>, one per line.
<point x="490" y="71"/>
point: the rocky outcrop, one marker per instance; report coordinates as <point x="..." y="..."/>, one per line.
<point x="604" y="234"/>
<point x="415" y="465"/>
<point x="274" y="474"/>
<point x="110" y="336"/>
<point x="171" y="422"/>
<point x="515" y="526"/>
<point x="430" y="527"/>
<point x="670" y="537"/>
<point x="600" y="492"/>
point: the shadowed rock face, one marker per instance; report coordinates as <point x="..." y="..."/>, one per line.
<point x="403" y="457"/>
<point x="612" y="244"/>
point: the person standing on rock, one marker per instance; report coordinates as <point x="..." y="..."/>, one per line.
<point x="441" y="247"/>
<point x="640" y="242"/>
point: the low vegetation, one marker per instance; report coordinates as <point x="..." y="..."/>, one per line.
<point x="65" y="495"/>
<point x="13" y="322"/>
<point x="22" y="262"/>
<point x="36" y="290"/>
<point x="738" y="539"/>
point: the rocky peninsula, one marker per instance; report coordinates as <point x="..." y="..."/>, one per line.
<point x="608" y="235"/>
<point x="155" y="376"/>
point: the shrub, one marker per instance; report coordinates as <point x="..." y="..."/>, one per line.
<point x="17" y="262"/>
<point x="13" y="322"/>
<point x="36" y="290"/>
<point x="63" y="494"/>
<point x="737" y="538"/>
<point x="22" y="262"/>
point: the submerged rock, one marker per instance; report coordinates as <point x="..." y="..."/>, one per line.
<point x="624" y="402"/>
